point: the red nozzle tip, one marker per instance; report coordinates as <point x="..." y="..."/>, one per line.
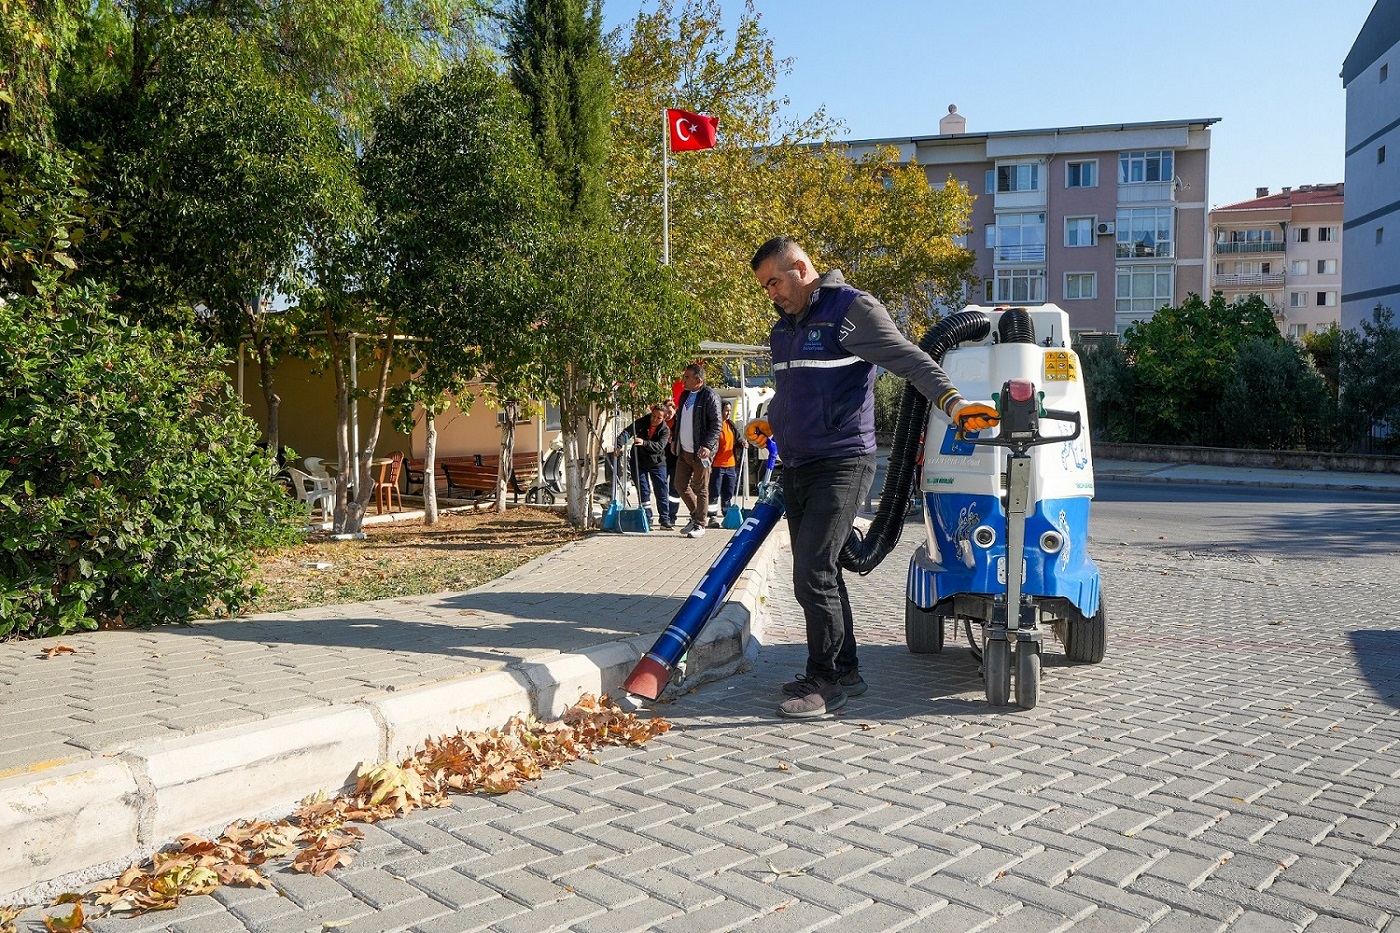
<point x="1021" y="389"/>
<point x="647" y="679"/>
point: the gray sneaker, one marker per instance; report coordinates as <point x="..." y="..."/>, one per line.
<point x="696" y="532"/>
<point x="687" y="528"/>
<point x="851" y="682"/>
<point x="821" y="697"/>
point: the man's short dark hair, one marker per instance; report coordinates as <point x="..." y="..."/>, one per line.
<point x="778" y="246"/>
<point x="695" y="369"/>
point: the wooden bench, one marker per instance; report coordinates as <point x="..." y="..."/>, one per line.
<point x="475" y="474"/>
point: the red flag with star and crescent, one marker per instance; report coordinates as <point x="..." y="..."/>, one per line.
<point x="691" y="130"/>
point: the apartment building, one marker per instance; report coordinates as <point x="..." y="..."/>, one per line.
<point x="1371" y="225"/>
<point x="1286" y="248"/>
<point x="1108" y="222"/>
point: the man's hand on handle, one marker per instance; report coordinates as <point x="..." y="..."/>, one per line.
<point x="757" y="432"/>
<point x="974" y="416"/>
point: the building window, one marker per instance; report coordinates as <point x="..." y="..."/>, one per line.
<point x="1298" y="267"/>
<point x="1024" y="176"/>
<point x="1020" y="286"/>
<point x="1145" y="232"/>
<point x="1380" y="235"/>
<point x="989" y="234"/>
<point x="1327" y="267"/>
<point x="1079" y="231"/>
<point x="1082" y="174"/>
<point x="1296" y="331"/>
<point x="1251" y="236"/>
<point x="1297" y="299"/>
<point x="1137" y="168"/>
<point x="1081" y="285"/>
<point x="1385" y="73"/>
<point x="1326" y="299"/>
<point x="1380" y="154"/>
<point x="1326" y="234"/>
<point x="1302" y="234"/>
<point x="1143" y="289"/>
<point x="1020" y="238"/>
<point x="991" y="181"/>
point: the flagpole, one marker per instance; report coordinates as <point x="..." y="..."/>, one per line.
<point x="665" y="189"/>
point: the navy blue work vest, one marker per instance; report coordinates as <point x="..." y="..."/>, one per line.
<point x="825" y="404"/>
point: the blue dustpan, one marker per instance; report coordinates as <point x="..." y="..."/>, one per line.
<point x="734" y="517"/>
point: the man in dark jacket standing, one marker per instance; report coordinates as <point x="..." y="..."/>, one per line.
<point x="650" y="437"/>
<point x="694" y="440"/>
<point x="825" y="341"/>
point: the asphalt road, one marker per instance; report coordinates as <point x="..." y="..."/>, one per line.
<point x="1231" y="765"/>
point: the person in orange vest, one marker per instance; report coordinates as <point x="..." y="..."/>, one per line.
<point x="724" y="472"/>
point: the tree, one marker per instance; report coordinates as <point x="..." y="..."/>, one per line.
<point x="462" y="205"/>
<point x="235" y="177"/>
<point x="1182" y="359"/>
<point x="1274" y="399"/>
<point x="1109" y="390"/>
<point x="560" y="66"/>
<point x="1369" y="371"/>
<point x="878" y="220"/>
<point x="1324" y="348"/>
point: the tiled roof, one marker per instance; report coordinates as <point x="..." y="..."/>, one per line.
<point x="1297" y="197"/>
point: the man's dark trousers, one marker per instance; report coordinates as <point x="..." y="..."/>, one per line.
<point x="821" y="498"/>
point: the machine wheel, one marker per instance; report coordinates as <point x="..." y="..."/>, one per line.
<point x="996" y="669"/>
<point x="538" y="495"/>
<point x="1027" y="676"/>
<point x="923" y="631"/>
<point x="1086" y="639"/>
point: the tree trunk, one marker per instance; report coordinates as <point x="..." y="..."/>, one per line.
<point x="507" y="465"/>
<point x="262" y="345"/>
<point x="349" y="515"/>
<point x="430" y="505"/>
<point x="364" y="484"/>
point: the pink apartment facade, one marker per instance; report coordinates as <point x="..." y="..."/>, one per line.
<point x="1286" y="248"/>
<point x="1108" y="222"/>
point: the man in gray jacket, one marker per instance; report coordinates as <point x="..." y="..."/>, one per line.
<point x="825" y="342"/>
<point x="695" y="439"/>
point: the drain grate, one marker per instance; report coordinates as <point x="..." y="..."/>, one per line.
<point x="1220" y="554"/>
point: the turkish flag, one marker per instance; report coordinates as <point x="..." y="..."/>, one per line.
<point x="691" y="130"/>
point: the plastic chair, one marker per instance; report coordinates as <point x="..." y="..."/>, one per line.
<point x="316" y="492"/>
<point x="315" y="467"/>
<point x="387" y="487"/>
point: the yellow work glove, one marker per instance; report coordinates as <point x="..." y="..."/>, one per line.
<point x="976" y="417"/>
<point x="757" y="432"/>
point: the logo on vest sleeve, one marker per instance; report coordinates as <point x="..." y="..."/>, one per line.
<point x="814" y="334"/>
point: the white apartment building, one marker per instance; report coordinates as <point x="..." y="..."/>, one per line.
<point x="1371" y="228"/>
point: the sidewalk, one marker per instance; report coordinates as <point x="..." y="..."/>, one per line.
<point x="1242" y="476"/>
<point x="138" y="736"/>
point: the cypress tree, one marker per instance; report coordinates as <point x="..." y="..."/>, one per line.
<point x="562" y="69"/>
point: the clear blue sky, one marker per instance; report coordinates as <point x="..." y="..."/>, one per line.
<point x="1268" y="68"/>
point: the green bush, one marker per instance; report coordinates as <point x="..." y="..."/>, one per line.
<point x="132" y="489"/>
<point x="889" y="389"/>
<point x="1274" y="399"/>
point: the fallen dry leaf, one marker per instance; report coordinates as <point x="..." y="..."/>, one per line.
<point x="60" y="648"/>
<point x="72" y="920"/>
<point x="8" y="915"/>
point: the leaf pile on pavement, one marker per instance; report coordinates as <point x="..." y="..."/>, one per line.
<point x="321" y="835"/>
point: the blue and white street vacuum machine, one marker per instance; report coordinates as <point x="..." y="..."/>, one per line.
<point x="1016" y="496"/>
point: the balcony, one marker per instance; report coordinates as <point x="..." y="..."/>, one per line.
<point x="1145" y="193"/>
<point x="1266" y="246"/>
<point x="1250" y="280"/>
<point x="1027" y="253"/>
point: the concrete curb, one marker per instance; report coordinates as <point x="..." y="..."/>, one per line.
<point x="85" y="821"/>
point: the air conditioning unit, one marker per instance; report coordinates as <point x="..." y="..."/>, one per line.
<point x="1105" y="228"/>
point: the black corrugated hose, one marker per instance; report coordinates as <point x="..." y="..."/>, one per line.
<point x="863" y="553"/>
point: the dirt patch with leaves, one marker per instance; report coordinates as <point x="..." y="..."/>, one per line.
<point x="408" y="558"/>
<point x="322" y="834"/>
